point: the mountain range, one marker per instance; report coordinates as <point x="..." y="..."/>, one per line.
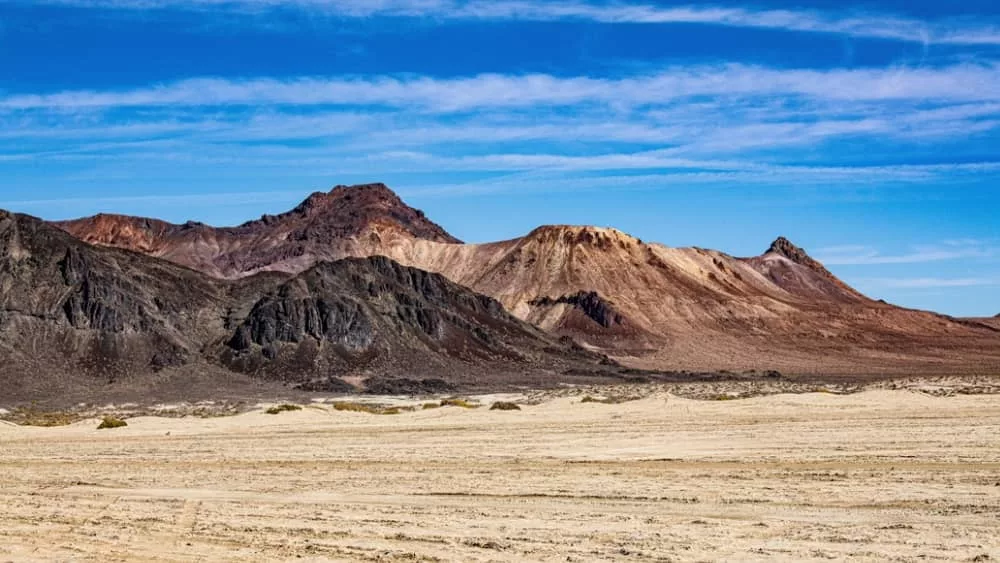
<point x="645" y="304"/>
<point x="354" y="289"/>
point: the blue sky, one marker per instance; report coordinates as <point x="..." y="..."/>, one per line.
<point x="868" y="133"/>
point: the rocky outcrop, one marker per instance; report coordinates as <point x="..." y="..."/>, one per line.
<point x="590" y="304"/>
<point x="784" y="247"/>
<point x="74" y="315"/>
<point x="348" y="211"/>
<point x="790" y="268"/>
<point x="379" y="315"/>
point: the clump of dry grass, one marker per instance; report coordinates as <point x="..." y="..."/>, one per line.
<point x="33" y="416"/>
<point x="112" y="422"/>
<point x="592" y="399"/>
<point x="459" y="403"/>
<point x="346" y="406"/>
<point x="283" y="408"/>
<point x="428" y="406"/>
<point x="505" y="406"/>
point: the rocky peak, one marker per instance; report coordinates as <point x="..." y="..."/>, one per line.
<point x="353" y="210"/>
<point x="786" y="249"/>
<point x="599" y="237"/>
<point x="361" y="196"/>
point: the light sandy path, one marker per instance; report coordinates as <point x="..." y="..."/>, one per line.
<point x="878" y="476"/>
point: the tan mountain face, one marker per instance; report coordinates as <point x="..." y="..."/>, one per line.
<point x="650" y="305"/>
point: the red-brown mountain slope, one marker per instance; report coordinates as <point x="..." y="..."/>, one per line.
<point x="346" y="222"/>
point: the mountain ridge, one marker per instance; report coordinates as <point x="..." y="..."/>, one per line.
<point x="649" y="305"/>
<point x="346" y="221"/>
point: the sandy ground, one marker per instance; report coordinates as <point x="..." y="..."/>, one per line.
<point x="877" y="476"/>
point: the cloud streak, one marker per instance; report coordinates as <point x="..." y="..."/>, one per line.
<point x="704" y="125"/>
<point x="867" y="256"/>
<point x="933" y="283"/>
<point x="957" y="83"/>
<point x="856" y="24"/>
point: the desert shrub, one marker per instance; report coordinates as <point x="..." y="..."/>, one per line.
<point x="283" y="408"/>
<point x="345" y="406"/>
<point x="505" y="406"/>
<point x="370" y="409"/>
<point x="33" y="416"/>
<point x="591" y="399"/>
<point x="458" y="403"/>
<point x="111" y="422"/>
<point x="428" y="406"/>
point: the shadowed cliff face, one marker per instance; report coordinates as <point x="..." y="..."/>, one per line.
<point x="590" y="304"/>
<point x="76" y="316"/>
<point x="71" y="310"/>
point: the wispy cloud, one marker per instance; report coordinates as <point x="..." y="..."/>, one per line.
<point x="855" y="24"/>
<point x="218" y="198"/>
<point x="932" y="283"/>
<point x="728" y="124"/>
<point x="857" y="255"/>
<point x="958" y="83"/>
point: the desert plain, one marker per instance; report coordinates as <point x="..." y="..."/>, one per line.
<point x="904" y="474"/>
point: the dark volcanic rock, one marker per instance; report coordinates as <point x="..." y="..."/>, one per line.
<point x="784" y="247"/>
<point x="590" y="303"/>
<point x="76" y="316"/>
<point x="348" y="210"/>
<point x="374" y="315"/>
<point x="71" y="314"/>
<point x="404" y="386"/>
<point x="326" y="385"/>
